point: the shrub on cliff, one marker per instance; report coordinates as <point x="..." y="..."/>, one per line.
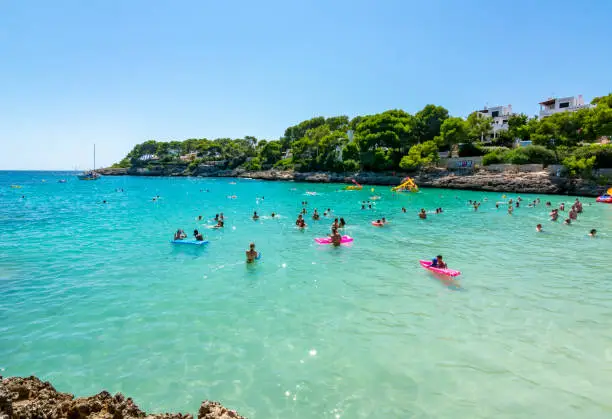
<point x="579" y="167"/>
<point x="125" y="163"/>
<point x="420" y="155"/>
<point x="494" y="157"/>
<point x="470" y="150"/>
<point x="284" y="164"/>
<point x="601" y="152"/>
<point x="350" y="165"/>
<point x="253" y="164"/>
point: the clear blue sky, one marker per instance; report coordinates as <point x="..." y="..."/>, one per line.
<point x="119" y="72"/>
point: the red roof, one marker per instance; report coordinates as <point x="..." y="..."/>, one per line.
<point x="548" y="102"/>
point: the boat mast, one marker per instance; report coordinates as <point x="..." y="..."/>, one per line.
<point x="94" y="157"/>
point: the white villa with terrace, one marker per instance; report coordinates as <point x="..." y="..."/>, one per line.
<point x="562" y="104"/>
<point x="499" y="117"/>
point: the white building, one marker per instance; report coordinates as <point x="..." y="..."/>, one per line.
<point x="499" y="117"/>
<point x="562" y="104"/>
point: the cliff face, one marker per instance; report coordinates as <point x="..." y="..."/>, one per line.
<point x="482" y="180"/>
<point x="31" y="398"/>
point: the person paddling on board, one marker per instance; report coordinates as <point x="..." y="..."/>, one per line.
<point x="251" y="254"/>
<point x="198" y="236"/>
<point x="180" y="235"/>
<point x="437" y="262"/>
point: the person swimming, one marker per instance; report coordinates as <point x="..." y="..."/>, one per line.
<point x="593" y="233"/>
<point x="199" y="218"/>
<point x="180" y="235"/>
<point x="384" y="220"/>
<point x="422" y="214"/>
<point x="539" y="228"/>
<point x="554" y="215"/>
<point x="220" y="224"/>
<point x="216" y="217"/>
<point x="251" y="254"/>
<point x="273" y="215"/>
<point x="255" y="216"/>
<point x="315" y="215"/>
<point x="404" y="210"/>
<point x="437" y="262"/>
<point x="567" y="221"/>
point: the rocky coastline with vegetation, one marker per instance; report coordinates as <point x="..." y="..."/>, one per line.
<point x="31" y="398"/>
<point x="542" y="182"/>
<point x="564" y="153"/>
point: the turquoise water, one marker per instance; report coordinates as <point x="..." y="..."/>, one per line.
<point x="94" y="296"/>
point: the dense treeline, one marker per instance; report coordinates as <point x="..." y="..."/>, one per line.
<point x="395" y="139"/>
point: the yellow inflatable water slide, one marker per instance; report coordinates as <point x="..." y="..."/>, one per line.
<point x="407" y="185"/>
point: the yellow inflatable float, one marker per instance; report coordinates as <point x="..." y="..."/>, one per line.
<point x="407" y="185"/>
<point x="355" y="187"/>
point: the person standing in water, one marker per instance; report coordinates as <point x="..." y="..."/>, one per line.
<point x="336" y="238"/>
<point x="251" y="254"/>
<point x="422" y="214"/>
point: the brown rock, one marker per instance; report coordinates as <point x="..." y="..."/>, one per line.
<point x="31" y="398"/>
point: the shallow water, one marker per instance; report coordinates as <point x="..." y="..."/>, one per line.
<point x="94" y="296"/>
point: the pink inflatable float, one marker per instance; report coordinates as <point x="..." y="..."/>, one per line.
<point x="448" y="272"/>
<point x="327" y="240"/>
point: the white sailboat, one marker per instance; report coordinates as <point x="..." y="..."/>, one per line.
<point x="92" y="174"/>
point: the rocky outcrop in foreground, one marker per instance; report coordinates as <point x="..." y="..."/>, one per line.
<point x="31" y="398"/>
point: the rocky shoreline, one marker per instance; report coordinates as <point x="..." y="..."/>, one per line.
<point x="541" y="182"/>
<point x="31" y="398"/>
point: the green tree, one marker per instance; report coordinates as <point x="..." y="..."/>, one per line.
<point x="298" y="131"/>
<point x="393" y="129"/>
<point x="603" y="101"/>
<point x="429" y="121"/>
<point x="517" y="126"/>
<point x="479" y="126"/>
<point x="271" y="152"/>
<point x="338" y="123"/>
<point x="454" y="130"/>
<point x="420" y="155"/>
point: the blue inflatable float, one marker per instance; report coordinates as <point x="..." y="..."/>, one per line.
<point x="192" y="242"/>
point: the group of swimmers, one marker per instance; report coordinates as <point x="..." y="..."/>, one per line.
<point x="572" y="215"/>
